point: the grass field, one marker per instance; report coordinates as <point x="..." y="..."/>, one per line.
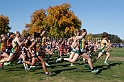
<point x="63" y="72"/>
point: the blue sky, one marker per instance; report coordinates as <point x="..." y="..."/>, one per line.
<point x="97" y="16"/>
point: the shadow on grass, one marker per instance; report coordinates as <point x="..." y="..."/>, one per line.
<point x="13" y="69"/>
<point x="55" y="72"/>
<point x="59" y="71"/>
<point x="105" y="67"/>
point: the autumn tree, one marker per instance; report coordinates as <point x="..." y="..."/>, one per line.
<point x="4" y="24"/>
<point x="61" y="21"/>
<point x="23" y="33"/>
<point x="37" y="21"/>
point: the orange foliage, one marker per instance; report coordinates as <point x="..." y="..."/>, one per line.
<point x="4" y="24"/>
<point x="59" y="21"/>
<point x="36" y="23"/>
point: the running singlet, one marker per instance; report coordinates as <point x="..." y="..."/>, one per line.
<point x="15" y="48"/>
<point x="82" y="45"/>
<point x="103" y="46"/>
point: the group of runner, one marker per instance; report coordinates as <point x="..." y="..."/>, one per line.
<point x="30" y="49"/>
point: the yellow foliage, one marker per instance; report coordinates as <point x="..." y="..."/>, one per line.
<point x="63" y="19"/>
<point x="37" y="20"/>
<point x="4" y="24"/>
<point x="59" y="20"/>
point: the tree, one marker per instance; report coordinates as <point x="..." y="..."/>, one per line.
<point x="113" y="38"/>
<point x="23" y="33"/>
<point x="58" y="20"/>
<point x="4" y="24"/>
<point x="37" y="21"/>
<point x="61" y="21"/>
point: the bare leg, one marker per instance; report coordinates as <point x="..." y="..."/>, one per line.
<point x="31" y="63"/>
<point x="85" y="56"/>
<point x="43" y="63"/>
<point x="60" y="54"/>
<point x="99" y="55"/>
<point x="44" y="66"/>
<point x="5" y="55"/>
<point x="71" y="56"/>
<point x="107" y="57"/>
<point x="28" y="54"/>
<point x="50" y="53"/>
<point x="23" y="58"/>
<point x="84" y="60"/>
<point x="10" y="58"/>
<point x="73" y="59"/>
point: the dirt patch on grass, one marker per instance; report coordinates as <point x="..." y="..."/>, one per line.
<point x="117" y="58"/>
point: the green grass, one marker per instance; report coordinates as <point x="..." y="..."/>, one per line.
<point x="63" y="72"/>
<point x="117" y="52"/>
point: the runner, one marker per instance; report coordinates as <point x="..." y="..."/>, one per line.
<point x="44" y="47"/>
<point x="78" y="49"/>
<point x="15" y="51"/>
<point x="103" y="50"/>
<point x="36" y="56"/>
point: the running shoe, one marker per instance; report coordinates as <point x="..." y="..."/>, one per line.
<point x="72" y="64"/>
<point x="10" y="64"/>
<point x="59" y="59"/>
<point x="47" y="64"/>
<point x="19" y="61"/>
<point x="7" y="63"/>
<point x="27" y="67"/>
<point x="95" y="70"/>
<point x="106" y="63"/>
<point x="32" y="67"/>
<point x="49" y="74"/>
